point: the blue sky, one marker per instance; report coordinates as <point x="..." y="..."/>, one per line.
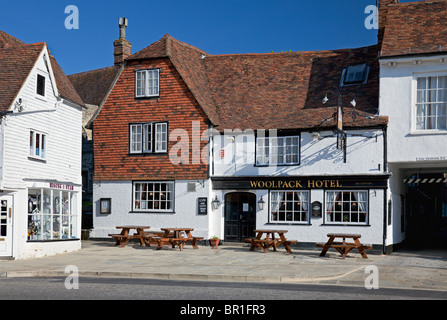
<point x="215" y="26"/>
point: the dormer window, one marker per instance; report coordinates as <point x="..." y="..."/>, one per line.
<point x="40" y="85"/>
<point x="355" y="74"/>
<point x="147" y="83"/>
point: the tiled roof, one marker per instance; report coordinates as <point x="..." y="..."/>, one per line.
<point x="15" y="65"/>
<point x="94" y="85"/>
<point x="188" y="61"/>
<point x="272" y="91"/>
<point x="415" y="28"/>
<point x="285" y="90"/>
<point x="16" y="62"/>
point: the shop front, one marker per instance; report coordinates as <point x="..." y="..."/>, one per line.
<point x="308" y="207"/>
<point x="43" y="219"/>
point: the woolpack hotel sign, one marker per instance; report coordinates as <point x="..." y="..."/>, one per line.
<point x="297" y="183"/>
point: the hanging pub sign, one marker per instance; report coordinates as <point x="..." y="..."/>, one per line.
<point x="340" y="128"/>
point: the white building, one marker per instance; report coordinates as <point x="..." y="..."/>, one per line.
<point x="413" y="93"/>
<point x="40" y="160"/>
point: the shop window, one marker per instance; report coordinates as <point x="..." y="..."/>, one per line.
<point x="153" y="196"/>
<point x="289" y="206"/>
<point x="347" y="207"/>
<point x="52" y="215"/>
<point x="148" y="137"/>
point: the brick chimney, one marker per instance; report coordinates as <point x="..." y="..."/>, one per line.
<point x="122" y="47"/>
<point x="383" y="12"/>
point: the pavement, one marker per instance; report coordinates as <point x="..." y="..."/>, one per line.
<point x="405" y="269"/>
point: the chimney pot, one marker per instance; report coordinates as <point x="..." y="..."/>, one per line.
<point x="122" y="47"/>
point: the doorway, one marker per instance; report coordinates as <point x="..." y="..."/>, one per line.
<point x="240" y="216"/>
<point x="426" y="211"/>
<point x="6" y="226"/>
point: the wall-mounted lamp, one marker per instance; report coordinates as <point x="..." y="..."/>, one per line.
<point x="215" y="203"/>
<point x="315" y="136"/>
<point x="261" y="204"/>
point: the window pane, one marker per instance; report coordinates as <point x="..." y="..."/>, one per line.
<point x="135" y="138"/>
<point x="31" y="143"/>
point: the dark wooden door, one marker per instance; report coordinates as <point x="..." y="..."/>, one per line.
<point x="240" y="216"/>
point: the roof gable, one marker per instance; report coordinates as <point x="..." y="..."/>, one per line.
<point x="17" y="60"/>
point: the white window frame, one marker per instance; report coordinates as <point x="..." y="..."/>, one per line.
<point x="424" y="93"/>
<point x="161" y="137"/>
<point x="271" y="149"/>
<point x="148" y="196"/>
<point x="362" y="205"/>
<point x="148" y="137"/>
<point x="284" y="202"/>
<point x="38" y="151"/>
<point x="147" y="83"/>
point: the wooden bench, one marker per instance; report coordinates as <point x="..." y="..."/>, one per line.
<point x="344" y="247"/>
<point x="265" y="244"/>
<point x="180" y="242"/>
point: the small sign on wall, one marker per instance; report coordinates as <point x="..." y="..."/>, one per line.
<point x="316" y="209"/>
<point x="202" y="205"/>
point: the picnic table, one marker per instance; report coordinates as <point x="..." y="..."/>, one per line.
<point x="270" y="240"/>
<point x="176" y="237"/>
<point x="124" y="237"/>
<point x="344" y="247"/>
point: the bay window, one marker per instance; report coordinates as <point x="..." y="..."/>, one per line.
<point x="431" y="103"/>
<point x="343" y="207"/>
<point x="289" y="206"/>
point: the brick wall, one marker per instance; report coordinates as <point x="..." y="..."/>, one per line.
<point x="176" y="105"/>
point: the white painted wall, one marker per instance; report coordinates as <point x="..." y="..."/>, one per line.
<point x="185" y="215"/>
<point x="316" y="231"/>
<point x="398" y="101"/>
<point x="318" y="157"/>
